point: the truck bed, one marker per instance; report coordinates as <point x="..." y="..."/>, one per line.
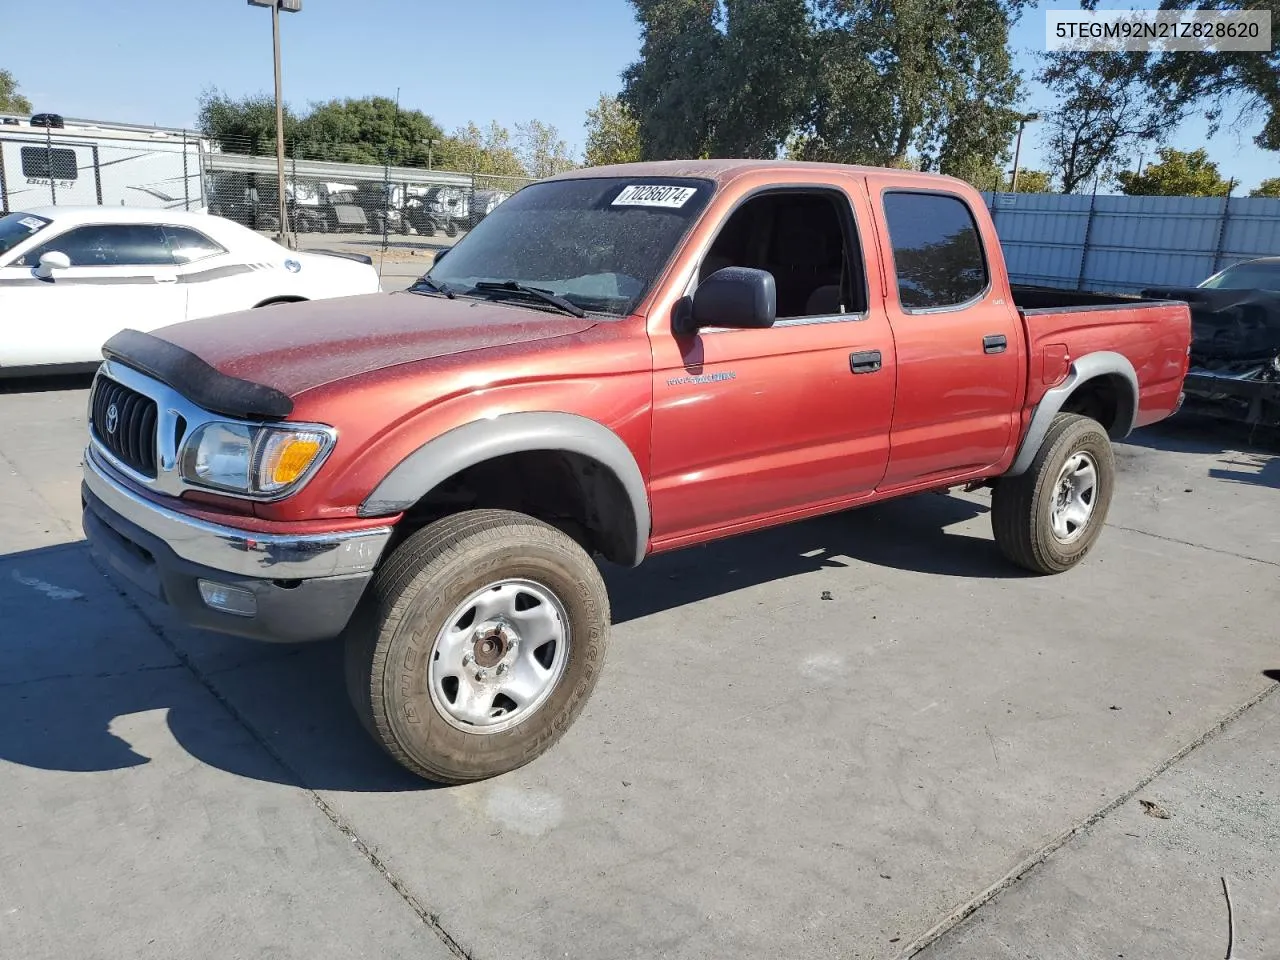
<point x="1151" y="334"/>
<point x="1032" y="299"/>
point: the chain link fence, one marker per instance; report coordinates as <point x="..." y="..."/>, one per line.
<point x="394" y="209"/>
<point x="381" y="209"/>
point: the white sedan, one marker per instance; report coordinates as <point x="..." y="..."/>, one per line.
<point x="72" y="277"/>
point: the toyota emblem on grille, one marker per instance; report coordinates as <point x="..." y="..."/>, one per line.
<point x="113" y="418"/>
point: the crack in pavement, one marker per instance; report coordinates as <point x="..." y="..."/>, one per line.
<point x="1197" y="546"/>
<point x="34" y="491"/>
<point x="952" y="920"/>
<point x="429" y="918"/>
<point x="105" y="675"/>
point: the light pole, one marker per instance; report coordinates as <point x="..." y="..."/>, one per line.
<point x="1023" y="119"/>
<point x="289" y="6"/>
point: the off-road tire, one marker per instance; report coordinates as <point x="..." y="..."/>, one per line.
<point x="1021" y="505"/>
<point x="410" y="597"/>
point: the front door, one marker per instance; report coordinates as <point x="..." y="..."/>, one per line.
<point x="121" y="275"/>
<point x="961" y="357"/>
<point x="755" y="424"/>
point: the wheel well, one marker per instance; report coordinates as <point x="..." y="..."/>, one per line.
<point x="1108" y="399"/>
<point x="570" y="491"/>
<point x="272" y="301"/>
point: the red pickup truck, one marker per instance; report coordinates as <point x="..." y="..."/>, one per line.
<point x="616" y="362"/>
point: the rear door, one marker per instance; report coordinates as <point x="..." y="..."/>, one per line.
<point x="961" y="357"/>
<point x="121" y="275"/>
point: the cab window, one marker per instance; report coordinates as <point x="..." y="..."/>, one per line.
<point x="108" y="245"/>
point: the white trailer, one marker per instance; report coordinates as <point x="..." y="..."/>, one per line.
<point x="107" y="164"/>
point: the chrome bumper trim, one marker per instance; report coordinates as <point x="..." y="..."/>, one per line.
<point x="232" y="550"/>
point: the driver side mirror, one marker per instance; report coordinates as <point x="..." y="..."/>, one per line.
<point x="51" y="261"/>
<point x="734" y="297"/>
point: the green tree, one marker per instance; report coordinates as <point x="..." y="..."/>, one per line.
<point x="1033" y="181"/>
<point x="247" y="125"/>
<point x="541" y="150"/>
<point x="872" y="81"/>
<point x="11" y="101"/>
<point x="366" y="130"/>
<point x="612" y="133"/>
<point x="1241" y="85"/>
<point x="1179" y="173"/>
<point x="1103" y="113"/>
<point x="1267" y="188"/>
<point x="472" y="150"/>
<point x="718" y="77"/>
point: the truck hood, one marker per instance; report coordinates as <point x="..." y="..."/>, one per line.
<point x="298" y="346"/>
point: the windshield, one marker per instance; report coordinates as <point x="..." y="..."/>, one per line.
<point x="17" y="227"/>
<point x="597" y="243"/>
<point x="1247" y="276"/>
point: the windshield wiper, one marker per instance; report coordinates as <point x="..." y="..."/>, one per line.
<point x="436" y="285"/>
<point x="546" y="296"/>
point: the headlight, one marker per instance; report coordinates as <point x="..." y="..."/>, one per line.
<point x="254" y="460"/>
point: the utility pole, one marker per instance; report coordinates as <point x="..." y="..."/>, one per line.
<point x="1017" y="150"/>
<point x="289" y="6"/>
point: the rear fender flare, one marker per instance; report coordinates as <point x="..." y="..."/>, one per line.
<point x="480" y="440"/>
<point x="1083" y="369"/>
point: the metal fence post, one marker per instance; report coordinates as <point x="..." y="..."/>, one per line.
<point x="48" y="162"/>
<point x="1218" y="247"/>
<point x="186" y="175"/>
<point x="1088" y="234"/>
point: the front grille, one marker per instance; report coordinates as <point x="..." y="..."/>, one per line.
<point x="130" y="432"/>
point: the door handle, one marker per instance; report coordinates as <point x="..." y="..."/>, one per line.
<point x="865" y="361"/>
<point x="995" y="343"/>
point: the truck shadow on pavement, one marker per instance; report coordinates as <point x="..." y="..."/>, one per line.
<point x="91" y="678"/>
<point x="1245" y="455"/>
<point x="910" y="534"/>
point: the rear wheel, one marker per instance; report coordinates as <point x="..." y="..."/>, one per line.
<point x="481" y="641"/>
<point x="1049" y="517"/>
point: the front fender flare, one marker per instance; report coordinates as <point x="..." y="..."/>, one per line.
<point x="1089" y="367"/>
<point x="480" y="440"/>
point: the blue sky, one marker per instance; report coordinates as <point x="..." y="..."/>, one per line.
<point x="143" y="61"/>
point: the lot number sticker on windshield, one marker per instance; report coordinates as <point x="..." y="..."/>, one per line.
<point x="31" y="223"/>
<point x="653" y="195"/>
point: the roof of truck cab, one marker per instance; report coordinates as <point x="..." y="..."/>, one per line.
<point x="723" y="171"/>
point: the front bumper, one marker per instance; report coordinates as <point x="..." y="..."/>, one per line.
<point x="303" y="587"/>
<point x="1248" y="401"/>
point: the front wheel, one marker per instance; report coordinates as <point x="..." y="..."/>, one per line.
<point x="482" y="638"/>
<point x="1049" y="517"/>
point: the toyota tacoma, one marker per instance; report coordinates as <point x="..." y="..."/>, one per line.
<point x="615" y="363"/>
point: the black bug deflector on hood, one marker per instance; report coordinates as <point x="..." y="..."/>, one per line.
<point x="195" y="379"/>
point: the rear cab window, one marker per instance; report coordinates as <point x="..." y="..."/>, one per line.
<point x="938" y="260"/>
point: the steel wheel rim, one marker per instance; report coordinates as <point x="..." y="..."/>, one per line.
<point x="1075" y="494"/>
<point x="498" y="657"/>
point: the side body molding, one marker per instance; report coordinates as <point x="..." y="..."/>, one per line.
<point x="1104" y="363"/>
<point x="480" y="440"/>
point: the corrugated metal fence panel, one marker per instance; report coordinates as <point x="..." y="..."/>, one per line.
<point x="1253" y="228"/>
<point x="1128" y="243"/>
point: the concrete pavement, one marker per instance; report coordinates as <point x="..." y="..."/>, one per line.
<point x="762" y="771"/>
